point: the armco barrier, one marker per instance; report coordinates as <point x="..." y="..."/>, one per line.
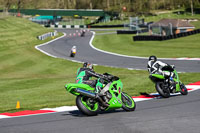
<point x="162" y="38"/>
<point x="50" y="34"/>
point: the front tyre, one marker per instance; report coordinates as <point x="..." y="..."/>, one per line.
<point x="164" y="92"/>
<point x="128" y="104"/>
<point x="183" y="89"/>
<point x="87" y="105"/>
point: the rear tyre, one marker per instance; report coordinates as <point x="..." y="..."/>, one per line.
<point x="184" y="90"/>
<point x="87" y="105"/>
<point x="128" y="104"/>
<point x="72" y="55"/>
<point x="161" y="90"/>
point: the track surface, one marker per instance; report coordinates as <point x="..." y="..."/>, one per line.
<point x="61" y="49"/>
<point x="179" y="114"/>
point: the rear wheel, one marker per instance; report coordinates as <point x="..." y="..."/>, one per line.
<point x="87" y="105"/>
<point x="128" y="102"/>
<point x="72" y="55"/>
<point x="164" y="92"/>
<point x="184" y="90"/>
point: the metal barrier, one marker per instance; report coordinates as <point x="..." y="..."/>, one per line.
<point x="50" y="34"/>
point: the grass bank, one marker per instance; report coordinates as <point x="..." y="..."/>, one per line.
<point x="37" y="80"/>
<point x="174" y="48"/>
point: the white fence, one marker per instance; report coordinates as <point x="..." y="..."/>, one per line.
<point x="50" y="34"/>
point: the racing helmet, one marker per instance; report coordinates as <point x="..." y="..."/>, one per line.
<point x="154" y="58"/>
<point x="85" y="64"/>
<point x="88" y="65"/>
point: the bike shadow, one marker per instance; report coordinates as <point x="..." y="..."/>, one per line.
<point x="77" y="113"/>
<point x="156" y="95"/>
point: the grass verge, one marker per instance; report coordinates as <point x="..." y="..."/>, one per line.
<point x="124" y="44"/>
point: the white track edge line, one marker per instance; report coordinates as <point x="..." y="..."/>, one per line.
<point x="74" y="108"/>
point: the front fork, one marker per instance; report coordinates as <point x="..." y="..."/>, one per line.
<point x="126" y="97"/>
<point x="174" y="85"/>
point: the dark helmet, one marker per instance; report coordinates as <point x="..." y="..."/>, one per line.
<point x="88" y="65"/>
<point x="154" y="58"/>
<point x="85" y="64"/>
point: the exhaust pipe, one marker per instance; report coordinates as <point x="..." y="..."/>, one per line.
<point x="91" y="95"/>
<point x="86" y="93"/>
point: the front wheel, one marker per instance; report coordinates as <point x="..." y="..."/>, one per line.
<point x="184" y="90"/>
<point x="87" y="106"/>
<point x="128" y="102"/>
<point x="162" y="90"/>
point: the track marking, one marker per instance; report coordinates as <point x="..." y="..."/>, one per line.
<point x="191" y="87"/>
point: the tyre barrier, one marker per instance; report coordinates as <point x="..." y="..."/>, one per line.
<point x="49" y="34"/>
<point x="162" y="38"/>
<point x="131" y="31"/>
<point x="126" y="32"/>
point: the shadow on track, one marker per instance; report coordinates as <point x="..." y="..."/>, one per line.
<point x="77" y="113"/>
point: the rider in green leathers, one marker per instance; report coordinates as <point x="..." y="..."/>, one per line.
<point x="85" y="73"/>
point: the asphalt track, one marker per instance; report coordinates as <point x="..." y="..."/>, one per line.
<point x="177" y="114"/>
<point x="61" y="49"/>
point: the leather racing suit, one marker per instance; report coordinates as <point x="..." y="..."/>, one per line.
<point x="84" y="75"/>
<point x="155" y="67"/>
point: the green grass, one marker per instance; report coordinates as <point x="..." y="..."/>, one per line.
<point x="124" y="44"/>
<point x="37" y="80"/>
<point x="171" y="16"/>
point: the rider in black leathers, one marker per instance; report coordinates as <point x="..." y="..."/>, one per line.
<point x="156" y="67"/>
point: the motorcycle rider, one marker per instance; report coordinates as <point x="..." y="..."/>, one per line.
<point x="83" y="33"/>
<point x="156" y="67"/>
<point x="73" y="51"/>
<point x="85" y="73"/>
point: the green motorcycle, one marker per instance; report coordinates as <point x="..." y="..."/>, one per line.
<point x="165" y="86"/>
<point x="109" y="96"/>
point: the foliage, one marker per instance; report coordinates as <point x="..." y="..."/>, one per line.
<point x="136" y="6"/>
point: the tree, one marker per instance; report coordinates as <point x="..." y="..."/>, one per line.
<point x="7" y="5"/>
<point x="191" y="4"/>
<point x="108" y="4"/>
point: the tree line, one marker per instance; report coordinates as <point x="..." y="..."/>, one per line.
<point x="137" y="6"/>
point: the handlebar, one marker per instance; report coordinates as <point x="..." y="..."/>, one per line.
<point x="169" y="68"/>
<point x="110" y="77"/>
